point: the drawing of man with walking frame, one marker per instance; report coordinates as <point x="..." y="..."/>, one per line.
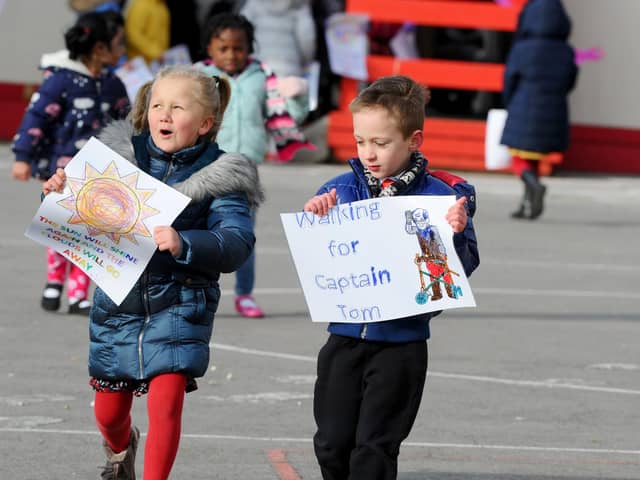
<point x="434" y="257"/>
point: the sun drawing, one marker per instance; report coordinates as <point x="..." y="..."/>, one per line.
<point x="108" y="204"/>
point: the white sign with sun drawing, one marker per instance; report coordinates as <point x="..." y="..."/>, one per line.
<point x="103" y="221"/>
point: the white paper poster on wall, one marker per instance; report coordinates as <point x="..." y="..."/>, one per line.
<point x="348" y="45"/>
<point x="496" y="155"/>
<point x="378" y="259"/>
<point x="103" y="221"/>
<point x="134" y="74"/>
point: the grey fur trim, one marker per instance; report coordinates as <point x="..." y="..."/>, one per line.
<point x="230" y="173"/>
<point x="117" y="136"/>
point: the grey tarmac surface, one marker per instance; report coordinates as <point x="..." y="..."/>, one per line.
<point x="541" y="381"/>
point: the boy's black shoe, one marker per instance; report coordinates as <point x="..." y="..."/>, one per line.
<point x="81" y="307"/>
<point x="51" y="297"/>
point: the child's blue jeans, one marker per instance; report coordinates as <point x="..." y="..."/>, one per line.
<point x="245" y="275"/>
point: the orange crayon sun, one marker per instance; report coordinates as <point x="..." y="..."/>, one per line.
<point x="108" y="204"/>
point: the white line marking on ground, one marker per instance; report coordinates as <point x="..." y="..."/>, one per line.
<point x="537" y="264"/>
<point x="263" y="397"/>
<point x="28" y="422"/>
<point x="559" y="293"/>
<point x="262" y="353"/>
<point x="522" y="448"/>
<point x="615" y="366"/>
<point x="22" y="400"/>
<point x="296" y="379"/>
<point x="451" y="376"/>
<point x="246" y="438"/>
<point x="527" y="292"/>
<point x="535" y="383"/>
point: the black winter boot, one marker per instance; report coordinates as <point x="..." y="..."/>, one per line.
<point x="532" y="205"/>
<point x="536" y="193"/>
<point x="523" y="208"/>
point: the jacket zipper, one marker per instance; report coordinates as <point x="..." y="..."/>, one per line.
<point x="363" y="333"/>
<point x="168" y="172"/>
<point x="145" y="296"/>
<point x="147" y="319"/>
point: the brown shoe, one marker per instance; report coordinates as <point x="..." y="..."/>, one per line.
<point x="121" y="466"/>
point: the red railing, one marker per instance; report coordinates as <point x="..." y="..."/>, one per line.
<point x="453" y="144"/>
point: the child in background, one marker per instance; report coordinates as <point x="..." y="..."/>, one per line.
<point x="148" y="28"/>
<point x="157" y="340"/>
<point x="261" y="105"/>
<point x="78" y="96"/>
<point x="285" y="34"/>
<point x="86" y="6"/>
<point x="371" y="375"/>
<point x="540" y="72"/>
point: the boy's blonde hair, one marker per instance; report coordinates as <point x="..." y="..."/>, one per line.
<point x="212" y="92"/>
<point x="402" y="97"/>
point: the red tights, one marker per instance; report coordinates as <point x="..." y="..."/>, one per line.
<point x="164" y="408"/>
<point x="519" y="165"/>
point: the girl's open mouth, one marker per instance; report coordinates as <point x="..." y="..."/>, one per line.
<point x="165" y="133"/>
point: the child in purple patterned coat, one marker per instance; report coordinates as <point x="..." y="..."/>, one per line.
<point x="78" y="96"/>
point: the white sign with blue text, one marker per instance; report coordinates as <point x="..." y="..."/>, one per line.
<point x="378" y="259"/>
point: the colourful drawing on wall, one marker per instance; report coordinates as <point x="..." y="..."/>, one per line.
<point x="108" y="204"/>
<point x="433" y="255"/>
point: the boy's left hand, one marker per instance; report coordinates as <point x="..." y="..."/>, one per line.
<point x="167" y="239"/>
<point x="457" y="215"/>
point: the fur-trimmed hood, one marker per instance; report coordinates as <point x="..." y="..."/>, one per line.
<point x="229" y="173"/>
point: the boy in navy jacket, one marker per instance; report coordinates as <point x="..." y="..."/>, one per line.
<point x="371" y="375"/>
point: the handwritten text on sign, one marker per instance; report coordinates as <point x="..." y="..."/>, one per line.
<point x="378" y="259"/>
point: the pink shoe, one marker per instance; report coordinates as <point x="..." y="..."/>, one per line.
<point x="247" y="307"/>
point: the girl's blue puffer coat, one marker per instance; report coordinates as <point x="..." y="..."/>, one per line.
<point x="351" y="187"/>
<point x="165" y="323"/>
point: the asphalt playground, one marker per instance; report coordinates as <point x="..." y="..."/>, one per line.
<point x="540" y="381"/>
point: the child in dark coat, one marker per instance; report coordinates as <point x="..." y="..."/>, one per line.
<point x="371" y="375"/>
<point x="78" y="96"/>
<point x="540" y="73"/>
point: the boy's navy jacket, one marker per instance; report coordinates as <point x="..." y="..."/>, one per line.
<point x="165" y="323"/>
<point x="540" y="72"/>
<point x="69" y="107"/>
<point x="351" y="187"/>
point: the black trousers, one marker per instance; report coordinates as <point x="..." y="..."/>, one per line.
<point x="366" y="399"/>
